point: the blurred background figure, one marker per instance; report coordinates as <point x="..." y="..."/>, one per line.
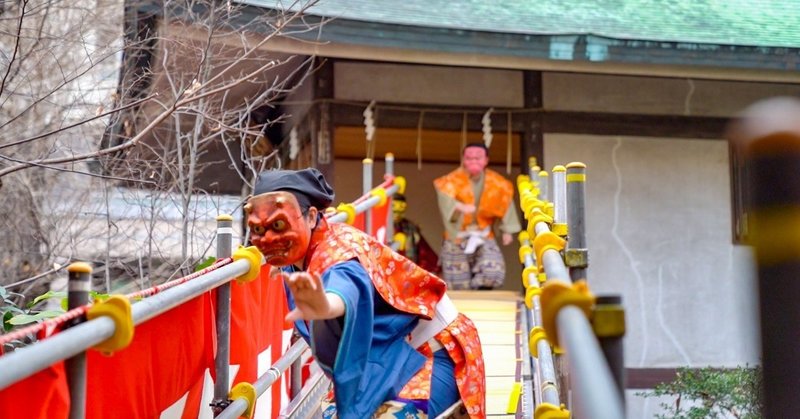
<point x="408" y="239"/>
<point x="473" y="199"/>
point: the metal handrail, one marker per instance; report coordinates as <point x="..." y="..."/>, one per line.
<point x="239" y="405"/>
<point x="595" y="392"/>
<point x="362" y="206"/>
<point x="28" y="360"/>
<point x="308" y="401"/>
<point x="547" y="388"/>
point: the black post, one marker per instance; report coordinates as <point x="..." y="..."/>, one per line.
<point x="223" y="319"/>
<point x="608" y="323"/>
<point x="576" y="256"/>
<point x="79" y="285"/>
<point x="769" y="135"/>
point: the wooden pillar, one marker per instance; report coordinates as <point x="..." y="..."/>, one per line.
<point x="532" y="145"/>
<point x="532" y="141"/>
<point x="322" y="132"/>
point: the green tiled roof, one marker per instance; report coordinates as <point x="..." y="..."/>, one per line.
<point x="759" y="23"/>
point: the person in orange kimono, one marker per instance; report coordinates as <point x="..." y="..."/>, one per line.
<point x="381" y="327"/>
<point x="472" y="201"/>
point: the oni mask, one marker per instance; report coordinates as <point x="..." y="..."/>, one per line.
<point x="278" y="228"/>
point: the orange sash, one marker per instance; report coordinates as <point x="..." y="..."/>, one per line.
<point x="400" y="282"/>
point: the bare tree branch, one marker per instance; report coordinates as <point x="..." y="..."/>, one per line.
<point x="65" y="82"/>
<point x="185" y="97"/>
<point x="17" y="39"/>
<point x="202" y="94"/>
<point x="96" y="117"/>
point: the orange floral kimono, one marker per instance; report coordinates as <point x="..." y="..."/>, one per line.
<point x="498" y="194"/>
<point x="410" y="289"/>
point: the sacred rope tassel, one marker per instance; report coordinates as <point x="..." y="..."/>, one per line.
<point x="419" y="140"/>
<point x="464" y="131"/>
<point x="508" y="145"/>
<point x="487" y="128"/>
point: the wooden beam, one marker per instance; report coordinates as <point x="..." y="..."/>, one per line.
<point x="591" y="123"/>
<point x="648" y="378"/>
<point x="663" y="126"/>
<point x="532" y="83"/>
<point x="445" y="119"/>
<point x="437" y="146"/>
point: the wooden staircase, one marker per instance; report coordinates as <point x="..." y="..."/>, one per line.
<point x="495" y="315"/>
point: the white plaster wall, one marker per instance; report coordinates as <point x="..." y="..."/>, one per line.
<point x="654" y="95"/>
<point x="439" y="85"/>
<point x="659" y="233"/>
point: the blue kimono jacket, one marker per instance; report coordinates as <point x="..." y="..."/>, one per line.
<point x="365" y="351"/>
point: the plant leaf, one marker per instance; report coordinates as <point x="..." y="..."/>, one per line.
<point x="15" y="309"/>
<point x="31" y="318"/>
<point x="94" y="295"/>
<point x="6" y="317"/>
<point x="46" y="296"/>
<point x="205" y="264"/>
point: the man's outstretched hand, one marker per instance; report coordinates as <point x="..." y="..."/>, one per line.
<point x="465" y="208"/>
<point x="310" y="299"/>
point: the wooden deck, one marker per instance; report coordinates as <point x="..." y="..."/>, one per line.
<point x="494" y="314"/>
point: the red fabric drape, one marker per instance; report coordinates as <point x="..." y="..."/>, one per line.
<point x="257" y="328"/>
<point x="43" y="395"/>
<point x="379" y="218"/>
<point x="163" y="367"/>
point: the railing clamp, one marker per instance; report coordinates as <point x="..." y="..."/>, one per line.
<point x="118" y="308"/>
<point x="576" y="258"/>
<point x="247" y="392"/>
<point x="252" y="255"/>
<point x="556" y="295"/>
<point x="217" y="406"/>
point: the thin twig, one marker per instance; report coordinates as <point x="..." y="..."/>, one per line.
<point x="98" y="116"/>
<point x="34" y="278"/>
<point x="16" y="46"/>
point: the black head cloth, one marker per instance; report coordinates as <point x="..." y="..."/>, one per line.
<point x="308" y="185"/>
<point x="477" y="145"/>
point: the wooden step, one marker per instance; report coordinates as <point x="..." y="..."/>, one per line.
<point x="495" y="315"/>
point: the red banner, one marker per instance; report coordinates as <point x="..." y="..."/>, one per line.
<point x="166" y="372"/>
<point x="379" y="219"/>
<point x="43" y="395"/>
<point x="257" y="336"/>
<point x="162" y="372"/>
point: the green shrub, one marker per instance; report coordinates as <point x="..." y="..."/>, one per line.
<point x="712" y="393"/>
<point x="15" y="316"/>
